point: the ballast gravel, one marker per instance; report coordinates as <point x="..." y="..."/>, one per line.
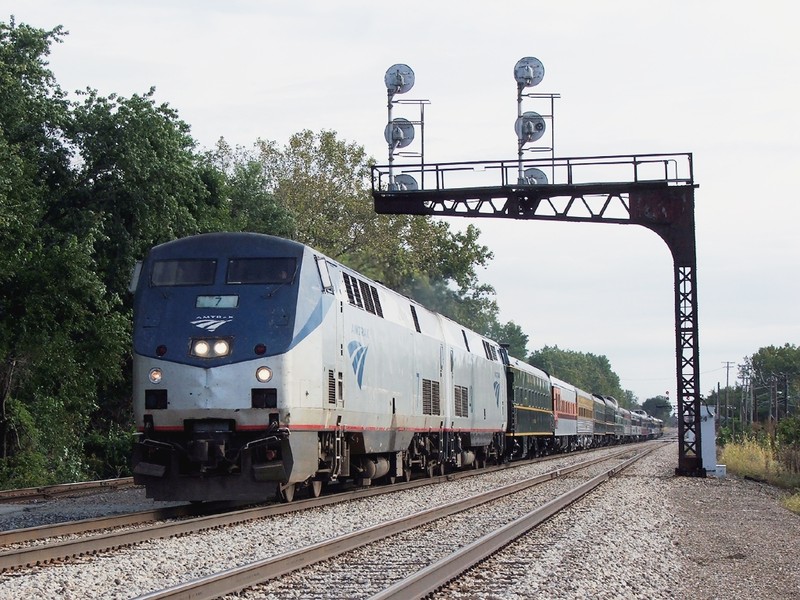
<point x="644" y="534"/>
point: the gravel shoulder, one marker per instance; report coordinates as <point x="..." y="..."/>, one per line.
<point x="736" y="538"/>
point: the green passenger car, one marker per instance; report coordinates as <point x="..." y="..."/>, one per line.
<point x="530" y="411"/>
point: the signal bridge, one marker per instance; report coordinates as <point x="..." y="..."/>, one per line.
<point x="652" y="190"/>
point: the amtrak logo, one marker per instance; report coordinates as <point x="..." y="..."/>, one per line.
<point x="358" y="354"/>
<point x="210" y="323"/>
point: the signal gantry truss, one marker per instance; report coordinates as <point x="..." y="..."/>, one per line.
<point x="652" y="190"/>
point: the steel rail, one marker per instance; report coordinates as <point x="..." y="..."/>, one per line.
<point x="238" y="578"/>
<point x="87" y="526"/>
<point x="434" y="576"/>
<point x="62" y="489"/>
<point x="92" y="544"/>
<point x="24" y="557"/>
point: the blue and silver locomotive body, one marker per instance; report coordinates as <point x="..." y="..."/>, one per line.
<point x="260" y="364"/>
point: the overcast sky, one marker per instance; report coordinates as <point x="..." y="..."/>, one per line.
<point x="718" y="79"/>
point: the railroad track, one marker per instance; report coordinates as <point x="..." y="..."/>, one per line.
<point x="79" y="538"/>
<point x="429" y="577"/>
<point x="249" y="543"/>
<point x="63" y="489"/>
<point x="63" y="541"/>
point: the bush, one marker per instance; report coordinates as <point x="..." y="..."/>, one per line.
<point x="748" y="458"/>
<point x="792" y="503"/>
<point x="788" y="431"/>
<point x="759" y="457"/>
<point x="23" y="464"/>
<point x="108" y="453"/>
<point x="24" y="469"/>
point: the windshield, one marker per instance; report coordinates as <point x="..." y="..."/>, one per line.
<point x="183" y="272"/>
<point x="261" y="270"/>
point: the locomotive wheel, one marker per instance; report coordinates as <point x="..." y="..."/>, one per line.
<point x="431" y="470"/>
<point x="316" y="488"/>
<point x="286" y="492"/>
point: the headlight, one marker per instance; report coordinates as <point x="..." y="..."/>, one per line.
<point x="263" y="374"/>
<point x="210" y="348"/>
<point x="155" y="375"/>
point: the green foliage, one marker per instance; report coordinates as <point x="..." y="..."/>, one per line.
<point x="510" y="334"/>
<point x="792" y="503"/>
<point x="629" y="400"/>
<point x="85" y="189"/>
<point x="772" y="360"/>
<point x="25" y="468"/>
<point x="138" y="182"/>
<point x="109" y="452"/>
<point x="584" y="370"/>
<point x="245" y="185"/>
<point x="658" y="407"/>
<point x="788" y="431"/>
<point x="774" y="372"/>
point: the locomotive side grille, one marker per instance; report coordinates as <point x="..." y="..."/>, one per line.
<point x="377" y="301"/>
<point x="366" y="294"/>
<point x="347" y="284"/>
<point x="331" y="388"/>
<point x="461" y="397"/>
<point x="430" y="397"/>
<point x="363" y="295"/>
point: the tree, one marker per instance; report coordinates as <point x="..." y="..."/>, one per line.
<point x="629" y="400"/>
<point x="586" y="371"/>
<point x="774" y="381"/>
<point x="510" y="334"/>
<point x="245" y="184"/>
<point x="58" y="334"/>
<point x="86" y="188"/>
<point x="658" y="407"/>
<point x="138" y="180"/>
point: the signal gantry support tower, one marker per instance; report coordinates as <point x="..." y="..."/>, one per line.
<point x="653" y="190"/>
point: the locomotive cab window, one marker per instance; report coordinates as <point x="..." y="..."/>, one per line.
<point x="261" y="270"/>
<point x="183" y="272"/>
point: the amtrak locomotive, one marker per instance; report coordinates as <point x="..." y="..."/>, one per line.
<point x="261" y="365"/>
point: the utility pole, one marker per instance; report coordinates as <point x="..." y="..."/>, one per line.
<point x="728" y="366"/>
<point x="743" y="408"/>
<point x="785" y="394"/>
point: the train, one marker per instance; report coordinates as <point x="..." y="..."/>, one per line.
<point x="262" y="366"/>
